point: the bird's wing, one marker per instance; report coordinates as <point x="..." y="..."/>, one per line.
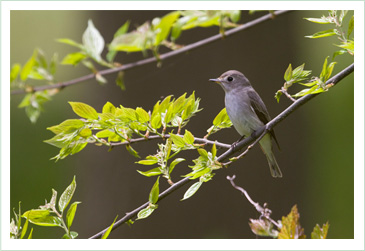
<point x="260" y="109"/>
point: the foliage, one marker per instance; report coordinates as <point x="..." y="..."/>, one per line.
<point x="336" y="19"/>
<point x="148" y="36"/>
<point x="318" y="84"/>
<point x="47" y="215"/>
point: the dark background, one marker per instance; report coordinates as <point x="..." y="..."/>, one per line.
<point x="317" y="147"/>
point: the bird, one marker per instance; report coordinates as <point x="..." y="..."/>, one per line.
<point x="248" y="112"/>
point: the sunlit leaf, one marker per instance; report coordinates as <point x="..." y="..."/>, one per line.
<point x="107" y="232"/>
<point x="67" y="195"/>
<point x="192" y="190"/>
<point x="155" y="192"/>
<point x="93" y="41"/>
<point x="71" y="213"/>
<point x="84" y="110"/>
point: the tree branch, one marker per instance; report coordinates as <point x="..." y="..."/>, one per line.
<point x="186" y="48"/>
<point x="270" y="125"/>
<point x="199" y="140"/>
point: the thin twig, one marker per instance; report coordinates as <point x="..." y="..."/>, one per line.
<point x="186" y="48"/>
<point x="270" y="125"/>
<point x="165" y="136"/>
<point x="264" y="211"/>
<point x="283" y="90"/>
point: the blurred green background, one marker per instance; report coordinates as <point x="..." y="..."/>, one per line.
<point x="317" y="147"/>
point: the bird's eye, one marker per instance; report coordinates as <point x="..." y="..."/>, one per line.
<point x="230" y="79"/>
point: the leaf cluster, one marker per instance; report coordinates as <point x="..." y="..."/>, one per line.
<point x="316" y="84"/>
<point x="119" y="124"/>
<point x="48" y="216"/>
<point x="37" y="69"/>
<point x="336" y="19"/>
<point x="289" y="227"/>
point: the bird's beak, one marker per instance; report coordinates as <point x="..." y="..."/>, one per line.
<point x="217" y="80"/>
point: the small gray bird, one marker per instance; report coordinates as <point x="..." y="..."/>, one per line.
<point x="248" y="112"/>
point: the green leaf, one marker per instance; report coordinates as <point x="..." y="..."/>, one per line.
<point x="71" y="213"/>
<point x="120" y="80"/>
<point x="70" y="42"/>
<point x="291" y="228"/>
<point x="178" y="141"/>
<point x="192" y="190"/>
<point x="349" y="45"/>
<point x="288" y="73"/>
<point x="42" y="217"/>
<point x="278" y="95"/>
<point x="326" y="33"/>
<point x="351" y="27"/>
<point x="24" y="230"/>
<point x="322" y="20"/>
<point x="329" y="71"/>
<point x="142" y="115"/>
<point x="109" y="108"/>
<point x="85" y="133"/>
<point x="178" y="104"/>
<point x="67" y="195"/>
<point x="30" y="236"/>
<point x="28" y="67"/>
<point x="93" y="41"/>
<point x="324" y="69"/>
<point x="67" y="126"/>
<point x="336" y="53"/>
<point x="107" y="232"/>
<point x="235" y="15"/>
<point x="84" y="110"/>
<point x="148" y="162"/>
<point x="214" y="151"/>
<point x="14" y="72"/>
<point x="132" y="151"/>
<point x="156" y="121"/>
<point x="174" y="163"/>
<point x="123" y="29"/>
<point x="188" y="138"/>
<point x="203" y="153"/>
<point x="26" y="100"/>
<point x="73" y="58"/>
<point x="164" y="26"/>
<point x="152" y="172"/>
<point x="73" y="234"/>
<point x="155" y="192"/>
<point x="222" y="120"/>
<point x="144" y="213"/>
<point x="320" y="233"/>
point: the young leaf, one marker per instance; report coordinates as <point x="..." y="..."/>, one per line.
<point x="188" y="138"/>
<point x="174" y="163"/>
<point x="322" y="20"/>
<point x="120" y="80"/>
<point x="192" y="190"/>
<point x="67" y="195"/>
<point x="178" y="141"/>
<point x="132" y="151"/>
<point x="28" y="67"/>
<point x="24" y="230"/>
<point x="107" y="232"/>
<point x="15" y="69"/>
<point x="288" y="73"/>
<point x="93" y="41"/>
<point x="156" y="121"/>
<point x="30" y="236"/>
<point x="291" y="228"/>
<point x="320" y="233"/>
<point x="155" y="192"/>
<point x="144" y="213"/>
<point x="153" y="172"/>
<point x="142" y="115"/>
<point x="70" y="42"/>
<point x="351" y="27"/>
<point x="164" y="26"/>
<point x="73" y="58"/>
<point x="109" y="108"/>
<point x="84" y="110"/>
<point x="71" y="213"/>
<point x="326" y="33"/>
<point x="148" y="162"/>
<point x="42" y="217"/>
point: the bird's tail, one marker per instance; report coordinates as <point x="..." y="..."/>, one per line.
<point x="266" y="146"/>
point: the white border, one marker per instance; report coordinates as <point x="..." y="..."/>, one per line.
<point x="356" y="244"/>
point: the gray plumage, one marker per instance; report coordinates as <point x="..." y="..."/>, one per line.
<point x="248" y="112"/>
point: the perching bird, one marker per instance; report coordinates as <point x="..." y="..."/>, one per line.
<point x="248" y="112"/>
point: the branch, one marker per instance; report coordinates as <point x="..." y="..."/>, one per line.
<point x="199" y="140"/>
<point x="270" y="125"/>
<point x="186" y="48"/>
